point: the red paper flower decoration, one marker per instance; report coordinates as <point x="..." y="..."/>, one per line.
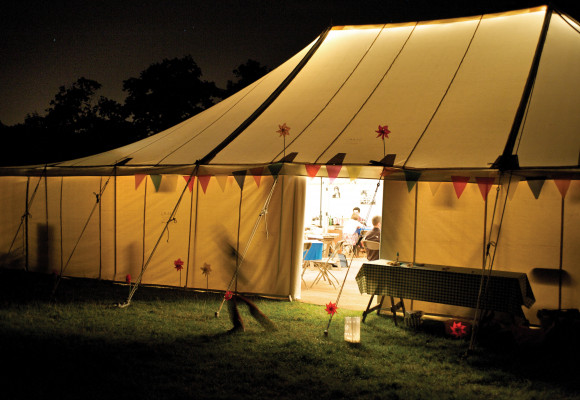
<point x="128" y="279"/>
<point x="458" y="329"/>
<point x="331" y="308"/>
<point x="283" y="130"/>
<point x="228" y="295"/>
<point x="178" y="264"/>
<point x="206" y="269"/>
<point x="383" y="132"/>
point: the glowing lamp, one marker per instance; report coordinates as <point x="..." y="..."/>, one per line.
<point x="352" y="329"/>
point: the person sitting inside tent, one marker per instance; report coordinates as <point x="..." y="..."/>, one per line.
<point x="374" y="236"/>
<point x="351" y="231"/>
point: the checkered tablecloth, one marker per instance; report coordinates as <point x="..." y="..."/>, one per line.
<point x="502" y="291"/>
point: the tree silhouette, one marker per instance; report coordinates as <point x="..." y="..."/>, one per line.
<point x="168" y="93"/>
<point x="247" y="74"/>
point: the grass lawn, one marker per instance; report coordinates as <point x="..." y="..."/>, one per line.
<point x="168" y="344"/>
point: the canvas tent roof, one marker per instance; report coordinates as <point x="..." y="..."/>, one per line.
<point x="455" y="94"/>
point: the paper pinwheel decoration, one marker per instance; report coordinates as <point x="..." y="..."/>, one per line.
<point x="458" y="329"/>
<point x="206" y="269"/>
<point x="283" y="130"/>
<point x="228" y="295"/>
<point x="331" y="308"/>
<point x="178" y="264"/>
<point x="383" y="132"/>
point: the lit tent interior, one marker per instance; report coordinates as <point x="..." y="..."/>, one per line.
<point x="484" y="148"/>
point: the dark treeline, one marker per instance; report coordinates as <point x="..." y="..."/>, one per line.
<point x="79" y="122"/>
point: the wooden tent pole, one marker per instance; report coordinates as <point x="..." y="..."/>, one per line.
<point x="561" y="271"/>
<point x="26" y="211"/>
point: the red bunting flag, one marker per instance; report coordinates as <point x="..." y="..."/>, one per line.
<point x="485" y="185"/>
<point x="333" y="171"/>
<point x="204" y="181"/>
<point x="312" y="170"/>
<point x="138" y="179"/>
<point x="257" y="174"/>
<point x="562" y="185"/>
<point x="459" y="183"/>
<point x="189" y="182"/>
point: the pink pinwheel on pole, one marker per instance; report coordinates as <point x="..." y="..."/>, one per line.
<point x="284" y="130"/>
<point x="206" y="270"/>
<point x="178" y="266"/>
<point x="383" y="133"/>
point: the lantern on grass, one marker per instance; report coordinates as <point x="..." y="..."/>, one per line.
<point x="352" y="329"/>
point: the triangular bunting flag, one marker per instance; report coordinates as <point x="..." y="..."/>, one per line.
<point x="156" y="179"/>
<point x="240" y="177"/>
<point x="353" y="171"/>
<point x="514" y="181"/>
<point x="257" y="174"/>
<point x="562" y="185"/>
<point x="138" y="179"/>
<point x="485" y="185"/>
<point x="222" y="180"/>
<point x="275" y="168"/>
<point x="387" y="171"/>
<point x="459" y="183"/>
<point x="168" y="183"/>
<point x="189" y="182"/>
<point x="411" y="177"/>
<point x="536" y="186"/>
<point x="333" y="171"/>
<point x="434" y="186"/>
<point x="312" y="169"/>
<point x="204" y="181"/>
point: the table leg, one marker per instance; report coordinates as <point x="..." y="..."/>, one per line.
<point x="395" y="307"/>
<point x="370" y="310"/>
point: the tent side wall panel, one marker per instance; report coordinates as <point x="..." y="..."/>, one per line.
<point x="530" y="240"/>
<point x="398" y="221"/>
<point x="13" y="206"/>
<point x="129" y="227"/>
<point x="80" y="221"/>
<point x="571" y="255"/>
<point x="173" y="241"/>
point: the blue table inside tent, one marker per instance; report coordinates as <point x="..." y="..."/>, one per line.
<point x="312" y="256"/>
<point x="313" y="250"/>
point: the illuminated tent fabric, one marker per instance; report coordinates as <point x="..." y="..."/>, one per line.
<point x="478" y="97"/>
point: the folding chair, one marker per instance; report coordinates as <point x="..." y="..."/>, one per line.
<point x="313" y="253"/>
<point x="372" y="246"/>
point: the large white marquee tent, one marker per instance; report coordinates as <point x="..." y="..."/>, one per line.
<point x="479" y="108"/>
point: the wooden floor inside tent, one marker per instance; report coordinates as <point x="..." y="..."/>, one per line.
<point x="323" y="292"/>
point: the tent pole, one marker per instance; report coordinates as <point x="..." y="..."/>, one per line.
<point x="189" y="237"/>
<point x="26" y="211"/>
<point x="144" y="224"/>
<point x="484" y="231"/>
<point x="115" y="225"/>
<point x="415" y="223"/>
<point x="100" y="232"/>
<point x="561" y="271"/>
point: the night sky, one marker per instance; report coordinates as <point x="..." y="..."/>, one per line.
<point x="50" y="43"/>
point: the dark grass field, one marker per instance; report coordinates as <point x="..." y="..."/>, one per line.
<point x="168" y="344"/>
